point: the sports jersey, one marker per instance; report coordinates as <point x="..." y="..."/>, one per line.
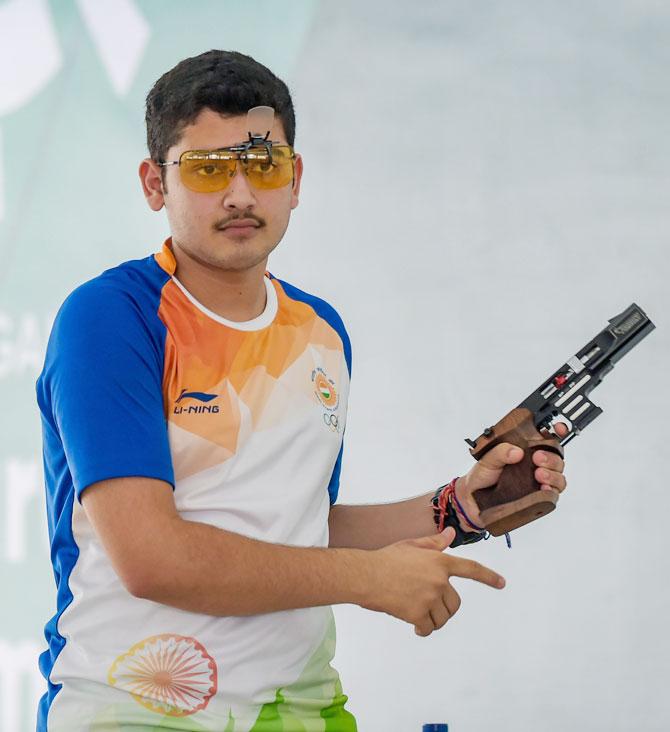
<point x="245" y="421"/>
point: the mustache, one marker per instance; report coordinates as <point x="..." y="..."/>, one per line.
<point x="222" y="223"/>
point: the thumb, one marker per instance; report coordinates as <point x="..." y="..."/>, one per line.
<point x="501" y="455"/>
<point x="438" y="542"/>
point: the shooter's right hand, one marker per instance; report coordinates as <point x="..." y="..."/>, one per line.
<point x="411" y="581"/>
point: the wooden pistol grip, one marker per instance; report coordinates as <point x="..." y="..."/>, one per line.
<point x="517" y="498"/>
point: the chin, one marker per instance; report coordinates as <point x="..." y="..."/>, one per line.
<point x="232" y="255"/>
<point x="239" y="261"/>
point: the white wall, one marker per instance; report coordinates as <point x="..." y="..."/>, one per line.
<point x="486" y="184"/>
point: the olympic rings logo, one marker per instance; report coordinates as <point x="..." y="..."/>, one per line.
<point x="332" y="421"/>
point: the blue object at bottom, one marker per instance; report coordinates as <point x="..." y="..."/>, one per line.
<point x="435" y="728"/>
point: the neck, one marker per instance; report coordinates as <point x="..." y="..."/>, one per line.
<point x="233" y="295"/>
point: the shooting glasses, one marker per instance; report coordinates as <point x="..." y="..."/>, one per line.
<point x="206" y="171"/>
<point x="265" y="163"/>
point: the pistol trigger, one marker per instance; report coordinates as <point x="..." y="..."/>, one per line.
<point x="559" y="418"/>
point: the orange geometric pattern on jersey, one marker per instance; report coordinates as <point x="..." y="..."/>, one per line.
<point x="204" y="355"/>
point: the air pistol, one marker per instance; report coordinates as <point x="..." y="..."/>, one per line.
<point x="517" y="498"/>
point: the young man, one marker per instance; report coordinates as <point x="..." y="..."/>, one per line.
<point x="193" y="409"/>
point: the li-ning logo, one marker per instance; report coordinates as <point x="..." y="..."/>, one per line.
<point x="196" y="408"/>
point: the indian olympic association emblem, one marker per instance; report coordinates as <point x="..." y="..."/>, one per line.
<point x="325" y="390"/>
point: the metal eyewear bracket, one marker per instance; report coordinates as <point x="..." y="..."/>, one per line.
<point x="257" y="118"/>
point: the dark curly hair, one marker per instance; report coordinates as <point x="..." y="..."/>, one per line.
<point x="227" y="82"/>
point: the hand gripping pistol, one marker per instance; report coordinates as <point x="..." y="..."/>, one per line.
<point x="517" y="498"/>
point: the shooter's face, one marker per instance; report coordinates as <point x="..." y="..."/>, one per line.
<point x="235" y="228"/>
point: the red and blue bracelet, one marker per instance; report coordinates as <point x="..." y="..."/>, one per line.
<point x="445" y="514"/>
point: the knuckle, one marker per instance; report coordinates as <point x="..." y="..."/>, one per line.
<point x="428" y="597"/>
<point x="478" y="568"/>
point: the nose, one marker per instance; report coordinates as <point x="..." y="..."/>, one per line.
<point x="239" y="194"/>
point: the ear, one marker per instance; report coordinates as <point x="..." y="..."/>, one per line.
<point x="297" y="177"/>
<point x="152" y="184"/>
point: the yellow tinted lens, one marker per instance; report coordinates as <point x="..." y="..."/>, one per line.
<point x="206" y="171"/>
<point x="265" y="171"/>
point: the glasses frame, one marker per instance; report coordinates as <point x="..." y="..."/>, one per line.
<point x="240" y="151"/>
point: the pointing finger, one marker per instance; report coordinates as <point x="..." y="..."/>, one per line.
<point x="469" y="569"/>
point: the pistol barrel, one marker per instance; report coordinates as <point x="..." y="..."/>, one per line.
<point x="563" y="397"/>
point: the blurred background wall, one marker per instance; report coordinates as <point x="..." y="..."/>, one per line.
<point x="486" y="183"/>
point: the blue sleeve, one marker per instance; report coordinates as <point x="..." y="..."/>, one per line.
<point x="102" y="386"/>
<point x="334" y="485"/>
